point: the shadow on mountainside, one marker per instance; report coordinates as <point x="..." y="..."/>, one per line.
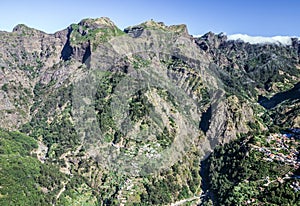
<point x="292" y="94"/>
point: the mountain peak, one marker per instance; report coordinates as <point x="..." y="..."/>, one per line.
<point x="144" y="109"/>
<point x="22" y="29"/>
<point x="161" y="25"/>
<point x="154" y="25"/>
<point x="97" y="23"/>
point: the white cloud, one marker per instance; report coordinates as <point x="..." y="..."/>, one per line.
<point x="198" y="35"/>
<point x="285" y="40"/>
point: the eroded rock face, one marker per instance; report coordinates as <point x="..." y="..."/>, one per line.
<point x="211" y="41"/>
<point x="134" y="31"/>
<point x="152" y="93"/>
<point x="38" y="57"/>
<point x="35" y="54"/>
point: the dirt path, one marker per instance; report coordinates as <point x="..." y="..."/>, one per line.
<point x="61" y="190"/>
<point x="185" y="200"/>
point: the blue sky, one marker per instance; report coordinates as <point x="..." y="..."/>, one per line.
<point x="253" y="17"/>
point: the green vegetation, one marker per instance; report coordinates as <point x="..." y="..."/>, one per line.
<point x="284" y="117"/>
<point x="194" y="80"/>
<point x="168" y="186"/>
<point x="160" y="26"/>
<point x="166" y="137"/>
<point x="103" y="97"/>
<point x="152" y="25"/>
<point x="51" y="164"/>
<point x="78" y="194"/>
<point x="238" y="175"/>
<point x="5" y="87"/>
<point x="58" y="134"/>
<point x="139" y="62"/>
<point x="82" y="34"/>
<point x="139" y="106"/>
<point x="24" y="180"/>
<point x="16" y="143"/>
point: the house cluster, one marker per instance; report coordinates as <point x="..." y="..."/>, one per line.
<point x="284" y="148"/>
<point x="150" y="151"/>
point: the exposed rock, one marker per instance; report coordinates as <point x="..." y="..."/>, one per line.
<point x="22" y="29"/>
<point x="210" y="40"/>
<point x="97" y="23"/>
<point x="134" y="31"/>
<point x="137" y="31"/>
<point x="152" y="100"/>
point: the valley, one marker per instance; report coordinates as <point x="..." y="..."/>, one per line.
<point x="148" y="115"/>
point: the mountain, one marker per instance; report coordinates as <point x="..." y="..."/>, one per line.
<point x="93" y="115"/>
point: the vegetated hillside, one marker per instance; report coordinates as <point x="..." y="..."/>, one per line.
<point x="126" y="117"/>
<point x="260" y="167"/>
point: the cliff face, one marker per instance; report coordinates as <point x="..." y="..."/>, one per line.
<point x="139" y="108"/>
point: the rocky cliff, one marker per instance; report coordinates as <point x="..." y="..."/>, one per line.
<point x="127" y="116"/>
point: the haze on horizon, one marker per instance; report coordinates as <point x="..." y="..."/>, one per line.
<point x="255" y="18"/>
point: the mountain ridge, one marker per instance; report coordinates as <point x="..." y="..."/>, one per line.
<point x="126" y="117"/>
<point x="285" y="40"/>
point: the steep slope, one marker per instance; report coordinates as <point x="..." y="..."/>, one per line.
<point x="127" y="117"/>
<point x="26" y="53"/>
<point x="261" y="166"/>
